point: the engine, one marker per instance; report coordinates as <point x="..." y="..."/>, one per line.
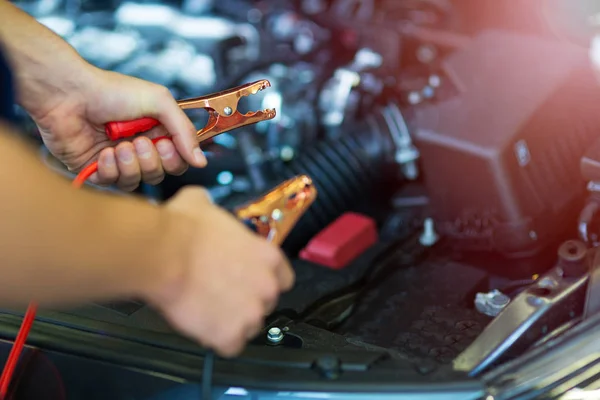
<point x="454" y="146"/>
<point x="389" y="106"/>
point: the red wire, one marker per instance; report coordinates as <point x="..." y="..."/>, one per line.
<point x="17" y="349"/>
<point x="85" y="174"/>
<point x="15" y="352"/>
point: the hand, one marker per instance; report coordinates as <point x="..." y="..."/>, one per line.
<point x="71" y="120"/>
<point x="232" y="277"/>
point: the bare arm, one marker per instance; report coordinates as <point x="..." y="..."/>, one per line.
<point x="63" y="245"/>
<point x="43" y="62"/>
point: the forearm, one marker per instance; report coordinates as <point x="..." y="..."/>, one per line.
<point x="43" y="63"/>
<point x="62" y="245"/>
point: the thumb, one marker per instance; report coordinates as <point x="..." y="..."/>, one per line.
<point x="180" y="128"/>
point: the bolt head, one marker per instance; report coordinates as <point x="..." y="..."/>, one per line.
<point x="274" y="335"/>
<point x="500" y="299"/>
<point x="414" y="98"/>
<point x="533" y="235"/>
<point x="228" y="110"/>
<point x="276" y="214"/>
<point x="286" y="153"/>
<point x="428" y="92"/>
<point x="435" y="81"/>
<point x="426" y="54"/>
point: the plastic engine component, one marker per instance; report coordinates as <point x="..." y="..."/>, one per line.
<point x="501" y="155"/>
<point x="341" y="241"/>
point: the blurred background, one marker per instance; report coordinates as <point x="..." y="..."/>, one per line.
<point x="346" y="76"/>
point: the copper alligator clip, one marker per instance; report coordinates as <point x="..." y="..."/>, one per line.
<point x="275" y="214"/>
<point x="223" y="114"/>
<point x="222" y="108"/>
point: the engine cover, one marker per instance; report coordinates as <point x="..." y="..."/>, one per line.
<point x="501" y="152"/>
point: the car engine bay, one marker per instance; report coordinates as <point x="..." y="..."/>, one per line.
<point x="454" y="145"/>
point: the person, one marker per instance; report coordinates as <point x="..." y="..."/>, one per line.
<point x="211" y="278"/>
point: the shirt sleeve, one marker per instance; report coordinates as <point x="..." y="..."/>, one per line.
<point x="7" y="100"/>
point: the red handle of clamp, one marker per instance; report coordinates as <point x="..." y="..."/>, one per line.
<point x="125" y="129"/>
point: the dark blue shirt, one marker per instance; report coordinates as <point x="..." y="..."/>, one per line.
<point x="7" y="100"/>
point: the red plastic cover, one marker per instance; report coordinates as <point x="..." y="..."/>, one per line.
<point x="342" y="241"/>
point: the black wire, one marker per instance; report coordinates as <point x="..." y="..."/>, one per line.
<point x="207" y="372"/>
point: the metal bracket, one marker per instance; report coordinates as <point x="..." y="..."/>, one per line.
<point x="552" y="301"/>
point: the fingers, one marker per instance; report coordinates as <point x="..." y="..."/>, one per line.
<point x="140" y="160"/>
<point x="108" y="172"/>
<point x="234" y="277"/>
<point x="285" y="275"/>
<point x="138" y="98"/>
<point x="234" y="338"/>
<point x="281" y="268"/>
<point x="128" y="165"/>
<point x="180" y="127"/>
<point x="151" y="167"/>
<point x="172" y="162"/>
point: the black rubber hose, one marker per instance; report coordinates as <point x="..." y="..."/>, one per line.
<point x="347" y="172"/>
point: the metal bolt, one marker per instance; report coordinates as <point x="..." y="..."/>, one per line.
<point x="414" y="98"/>
<point x="429" y="237"/>
<point x="500" y="299"/>
<point x="276" y="214"/>
<point x="225" y="178"/>
<point x="426" y="54"/>
<point x="547" y="283"/>
<point x="522" y="153"/>
<point x="274" y="335"/>
<point x="428" y="92"/>
<point x="286" y="153"/>
<point x="435" y="81"/>
<point x="533" y="235"/>
<point x="572" y="258"/>
<point x="228" y="111"/>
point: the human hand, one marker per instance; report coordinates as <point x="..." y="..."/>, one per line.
<point x="71" y="117"/>
<point x="232" y="277"/>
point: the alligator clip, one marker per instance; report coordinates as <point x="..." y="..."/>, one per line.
<point x="275" y="214"/>
<point x="222" y="110"/>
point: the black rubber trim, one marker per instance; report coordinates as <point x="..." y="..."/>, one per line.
<point x="274" y="372"/>
<point x="280" y="357"/>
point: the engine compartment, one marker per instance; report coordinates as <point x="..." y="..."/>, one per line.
<point x="460" y="138"/>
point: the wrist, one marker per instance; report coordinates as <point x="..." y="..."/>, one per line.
<point x="40" y="90"/>
<point x="167" y="260"/>
<point x="138" y="245"/>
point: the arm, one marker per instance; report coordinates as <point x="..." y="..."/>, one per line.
<point x="43" y="63"/>
<point x="63" y="245"/>
<point x="211" y="278"/>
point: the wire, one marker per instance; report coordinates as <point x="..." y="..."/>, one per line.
<point x="17" y="349"/>
<point x="207" y="371"/>
<point x="85" y="174"/>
